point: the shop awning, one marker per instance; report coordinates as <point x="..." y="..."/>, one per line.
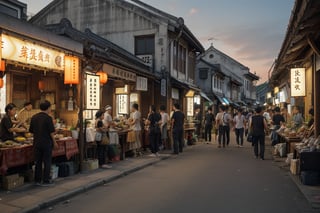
<point x="221" y="99"/>
<point x="204" y="95"/>
<point x="185" y="85"/>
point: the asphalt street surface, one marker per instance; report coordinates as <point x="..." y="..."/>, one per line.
<point x="202" y="179"/>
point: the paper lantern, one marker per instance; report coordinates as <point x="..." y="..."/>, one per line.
<point x="2" y="65"/>
<point x="103" y="77"/>
<point x="1" y="82"/>
<point x="41" y="85"/>
<point x="71" y="70"/>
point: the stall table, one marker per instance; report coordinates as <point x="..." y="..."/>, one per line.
<point x="22" y="155"/>
<point x="188" y="132"/>
<point x="288" y="140"/>
<point x="123" y="134"/>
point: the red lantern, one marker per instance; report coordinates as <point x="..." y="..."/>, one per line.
<point x="2" y="65"/>
<point x="1" y="82"/>
<point x="103" y="77"/>
<point x="71" y="70"/>
<point x="41" y="85"/>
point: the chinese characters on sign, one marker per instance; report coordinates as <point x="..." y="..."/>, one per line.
<point x="298" y="82"/>
<point x="19" y="50"/>
<point x="119" y="73"/>
<point x="190" y="105"/>
<point x="147" y="59"/>
<point x="122" y="104"/>
<point x="142" y="84"/>
<point x="163" y="89"/>
<point x="71" y="70"/>
<point x="93" y="92"/>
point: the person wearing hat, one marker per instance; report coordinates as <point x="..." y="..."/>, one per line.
<point x="7" y="128"/>
<point x="113" y="134"/>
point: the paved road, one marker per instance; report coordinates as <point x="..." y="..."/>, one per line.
<point x="203" y="179"/>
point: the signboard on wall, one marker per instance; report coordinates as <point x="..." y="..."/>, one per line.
<point x="93" y="92"/>
<point x="122" y="101"/>
<point x="147" y="59"/>
<point x="119" y="73"/>
<point x="163" y="89"/>
<point x="190" y="106"/>
<point x="16" y="49"/>
<point x="142" y="84"/>
<point x="298" y="82"/>
<point x="175" y="93"/>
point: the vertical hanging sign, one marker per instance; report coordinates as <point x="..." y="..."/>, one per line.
<point x="71" y="70"/>
<point x="93" y="92"/>
<point x="298" y="82"/>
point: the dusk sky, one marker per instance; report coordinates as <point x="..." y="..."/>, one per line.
<point x="250" y="31"/>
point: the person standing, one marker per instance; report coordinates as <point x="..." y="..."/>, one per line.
<point x="227" y="120"/>
<point x="135" y="123"/>
<point x="164" y="126"/>
<point x="101" y="132"/>
<point x="239" y="125"/>
<point x="42" y="127"/>
<point x="209" y="120"/>
<point x="113" y="134"/>
<point x="297" y="118"/>
<point x="259" y="128"/>
<point x="7" y="128"/>
<point x="198" y="122"/>
<point x="153" y="121"/>
<point x="277" y="121"/>
<point x="177" y="129"/>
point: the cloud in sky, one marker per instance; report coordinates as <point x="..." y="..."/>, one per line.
<point x="193" y="11"/>
<point x="250" y="31"/>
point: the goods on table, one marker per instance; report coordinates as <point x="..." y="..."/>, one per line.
<point x="20" y="139"/>
<point x="9" y="144"/>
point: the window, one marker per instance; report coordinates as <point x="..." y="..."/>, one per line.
<point x="179" y="57"/>
<point x="144" y="45"/>
<point x="203" y="73"/>
<point x="183" y="59"/>
<point x="217" y="83"/>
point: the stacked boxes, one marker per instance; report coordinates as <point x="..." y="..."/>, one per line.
<point x="12" y="181"/>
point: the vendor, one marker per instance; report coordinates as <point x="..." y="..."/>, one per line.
<point x="311" y="121"/>
<point x="7" y="128"/>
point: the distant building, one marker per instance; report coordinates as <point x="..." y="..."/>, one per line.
<point x="161" y="40"/>
<point x="225" y="80"/>
<point x="14" y="8"/>
<point x="262" y="93"/>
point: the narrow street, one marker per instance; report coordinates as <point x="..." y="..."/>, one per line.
<point x="202" y="179"/>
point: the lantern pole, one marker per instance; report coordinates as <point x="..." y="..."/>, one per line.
<point x="81" y="123"/>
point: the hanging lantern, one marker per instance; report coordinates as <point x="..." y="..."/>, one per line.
<point x="103" y="77"/>
<point x="71" y="70"/>
<point x="1" y="82"/>
<point x="41" y="85"/>
<point x="2" y="65"/>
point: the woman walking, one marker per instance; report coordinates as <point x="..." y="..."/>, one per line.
<point x="239" y="125"/>
<point x="259" y="129"/>
<point x="164" y="126"/>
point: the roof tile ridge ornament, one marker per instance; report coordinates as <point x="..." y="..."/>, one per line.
<point x="66" y="23"/>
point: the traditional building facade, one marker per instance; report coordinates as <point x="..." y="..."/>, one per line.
<point x="229" y="82"/>
<point x="161" y="40"/>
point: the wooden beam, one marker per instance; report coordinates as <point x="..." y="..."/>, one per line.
<point x="314" y="46"/>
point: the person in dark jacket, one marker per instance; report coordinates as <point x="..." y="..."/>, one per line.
<point x="153" y="121"/>
<point x="43" y="133"/>
<point x="209" y="121"/>
<point x="177" y="121"/>
<point x="259" y="128"/>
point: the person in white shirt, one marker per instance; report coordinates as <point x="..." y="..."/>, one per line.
<point x="110" y="125"/>
<point x="239" y="125"/>
<point x="135" y="123"/>
<point x="164" y="126"/>
<point x="223" y="120"/>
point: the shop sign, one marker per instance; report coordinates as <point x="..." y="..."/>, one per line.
<point x="119" y="73"/>
<point x="27" y="52"/>
<point x="122" y="104"/>
<point x="147" y="59"/>
<point x="142" y="84"/>
<point x="163" y="89"/>
<point x="175" y="93"/>
<point x="282" y="97"/>
<point x="93" y="92"/>
<point x="190" y="105"/>
<point x="298" y="82"/>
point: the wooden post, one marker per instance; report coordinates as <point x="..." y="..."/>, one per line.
<point x="81" y="124"/>
<point x="316" y="96"/>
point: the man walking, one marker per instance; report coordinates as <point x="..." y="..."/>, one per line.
<point x="209" y="119"/>
<point x="177" y="129"/>
<point x="259" y="127"/>
<point x="43" y="132"/>
<point x="222" y="122"/>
